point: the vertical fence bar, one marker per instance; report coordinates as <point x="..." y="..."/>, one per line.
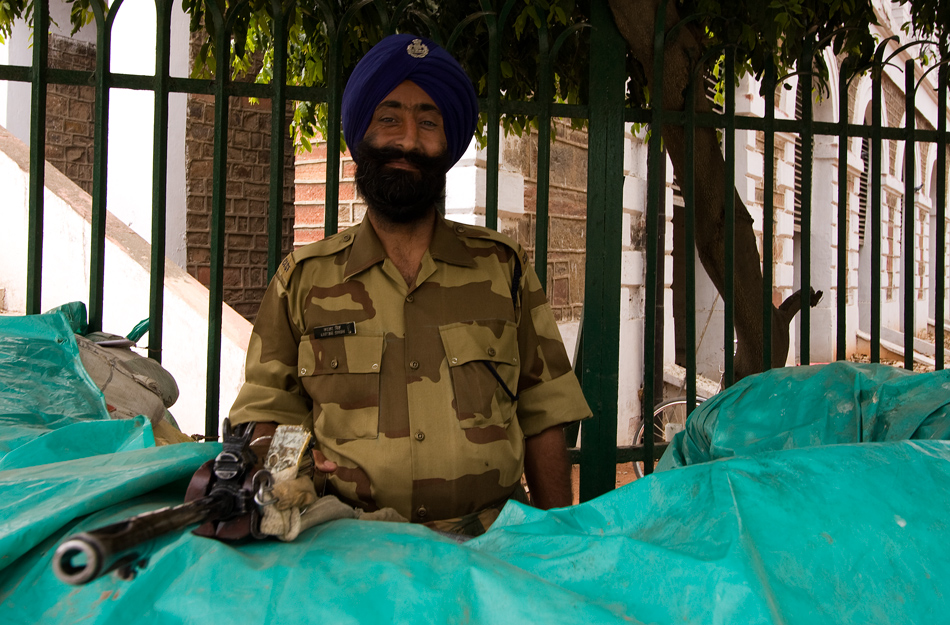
<point x="658" y="309"/>
<point x="807" y="141"/>
<point x="910" y="178"/>
<point x="545" y="87"/>
<point x="38" y="77"/>
<point x="100" y="167"/>
<point x="689" y="247"/>
<point x="219" y="181"/>
<point x="729" y="206"/>
<point x="768" y="215"/>
<point x="493" y="116"/>
<point x="941" y="208"/>
<point x="334" y="128"/>
<point x="156" y="304"/>
<point x="841" y="349"/>
<point x="602" y="273"/>
<point x="874" y="182"/>
<point x="336" y="33"/>
<point x="656" y="193"/>
<point x="275" y="212"/>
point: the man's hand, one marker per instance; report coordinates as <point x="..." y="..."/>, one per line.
<point x="321" y="463"/>
<point x="548" y="469"/>
<point x="260" y="439"/>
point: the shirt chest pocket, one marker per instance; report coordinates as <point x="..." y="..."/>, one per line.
<point x="484" y="366"/>
<point x="341" y="375"/>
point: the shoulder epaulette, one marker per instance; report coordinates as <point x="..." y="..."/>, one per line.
<point x="325" y="247"/>
<point x="481" y="232"/>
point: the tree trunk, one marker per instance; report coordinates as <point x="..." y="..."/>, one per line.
<point x="634" y="19"/>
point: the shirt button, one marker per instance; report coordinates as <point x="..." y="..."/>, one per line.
<point x="491" y="351"/>
<point x="460" y="229"/>
<point x="334" y="364"/>
<point x="414" y="364"/>
<point x="420" y="436"/>
<point x="409" y="298"/>
<point x="346" y="237"/>
<point x="303" y="372"/>
<point x="422" y="512"/>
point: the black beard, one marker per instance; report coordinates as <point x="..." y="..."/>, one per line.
<point x="397" y="195"/>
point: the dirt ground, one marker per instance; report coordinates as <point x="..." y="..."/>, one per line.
<point x="625" y="475"/>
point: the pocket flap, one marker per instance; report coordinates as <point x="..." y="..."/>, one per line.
<point x="495" y="340"/>
<point x="360" y="353"/>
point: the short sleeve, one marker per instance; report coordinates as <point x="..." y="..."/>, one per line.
<point x="271" y="390"/>
<point x="549" y="393"/>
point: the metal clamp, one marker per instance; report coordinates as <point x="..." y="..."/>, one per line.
<point x="263" y="487"/>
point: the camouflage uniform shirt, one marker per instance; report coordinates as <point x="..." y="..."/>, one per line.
<point x="423" y="396"/>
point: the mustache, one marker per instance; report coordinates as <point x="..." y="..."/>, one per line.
<point x="398" y="195"/>
<point x="416" y="158"/>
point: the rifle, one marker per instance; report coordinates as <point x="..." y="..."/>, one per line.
<point x="123" y="547"/>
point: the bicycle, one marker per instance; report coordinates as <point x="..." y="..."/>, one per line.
<point x="669" y="417"/>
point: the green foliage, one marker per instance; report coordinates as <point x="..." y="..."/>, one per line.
<point x="760" y="32"/>
<point x="930" y="19"/>
<point x="775" y="31"/>
<point x="81" y="14"/>
<point x="314" y="36"/>
<point x="11" y="11"/>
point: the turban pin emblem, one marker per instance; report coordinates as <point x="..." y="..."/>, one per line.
<point x="417" y="49"/>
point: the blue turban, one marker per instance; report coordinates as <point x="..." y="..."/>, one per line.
<point x="398" y="58"/>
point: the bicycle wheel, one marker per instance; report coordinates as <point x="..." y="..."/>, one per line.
<point x="669" y="417"/>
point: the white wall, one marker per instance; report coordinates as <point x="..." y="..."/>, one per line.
<point x="130" y="121"/>
<point x="632" y="278"/>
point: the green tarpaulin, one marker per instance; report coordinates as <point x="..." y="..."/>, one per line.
<point x="790" y="530"/>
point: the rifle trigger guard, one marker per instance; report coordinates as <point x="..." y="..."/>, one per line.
<point x="263" y="485"/>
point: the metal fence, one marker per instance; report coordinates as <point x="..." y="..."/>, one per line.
<point x="607" y="116"/>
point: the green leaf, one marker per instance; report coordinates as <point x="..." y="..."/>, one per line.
<point x="318" y="69"/>
<point x="534" y="16"/>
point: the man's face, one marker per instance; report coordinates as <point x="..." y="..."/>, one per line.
<point x="403" y="156"/>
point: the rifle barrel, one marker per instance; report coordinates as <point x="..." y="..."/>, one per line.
<point x="87" y="555"/>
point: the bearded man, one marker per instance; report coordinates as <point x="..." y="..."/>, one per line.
<point x="422" y="353"/>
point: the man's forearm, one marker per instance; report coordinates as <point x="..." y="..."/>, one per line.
<point x="548" y="469"/>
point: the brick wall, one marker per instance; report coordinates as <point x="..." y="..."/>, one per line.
<point x="69" y="122"/>
<point x="567" y="212"/>
<point x="310" y="194"/>
<point x="248" y="179"/>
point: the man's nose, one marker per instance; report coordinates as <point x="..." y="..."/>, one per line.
<point x="408" y="138"/>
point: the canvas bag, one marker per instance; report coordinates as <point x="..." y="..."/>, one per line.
<point x="132" y="384"/>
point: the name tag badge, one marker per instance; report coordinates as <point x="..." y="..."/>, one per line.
<point x="337" y="329"/>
